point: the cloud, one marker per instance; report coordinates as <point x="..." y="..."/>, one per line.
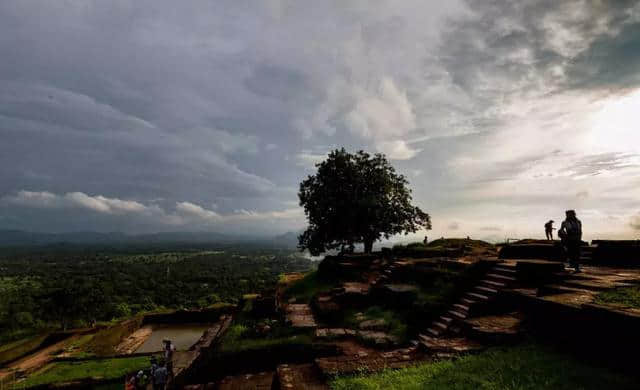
<point x="453" y="226"/>
<point x="384" y="115"/>
<point x="189" y="209"/>
<point x="97" y="203"/>
<point x="603" y="163"/>
<point x="308" y="159"/>
<point x="635" y="222"/>
<point x="508" y="107"/>
<point x="184" y="213"/>
<point x="490" y="228"/>
<point x="582" y="194"/>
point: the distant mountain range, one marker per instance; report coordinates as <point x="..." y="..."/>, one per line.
<point x="10" y="238"/>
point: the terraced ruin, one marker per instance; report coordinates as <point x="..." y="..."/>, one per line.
<point x="398" y="310"/>
<point x="394" y="313"/>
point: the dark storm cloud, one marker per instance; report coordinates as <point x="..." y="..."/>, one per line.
<point x="543" y="44"/>
<point x="209" y="113"/>
<point x="610" y="63"/>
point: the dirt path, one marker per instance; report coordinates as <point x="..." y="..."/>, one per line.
<point x="36" y="360"/>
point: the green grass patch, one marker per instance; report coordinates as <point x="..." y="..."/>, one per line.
<point x="103" y="342"/>
<point x="527" y="367"/>
<point x="439" y="291"/>
<point x="77" y="348"/>
<point x="72" y="371"/>
<point x="264" y="343"/>
<point x="622" y="296"/>
<point x="14" y="350"/>
<point x="393" y="321"/>
<point x="243" y="337"/>
<point x="304" y="289"/>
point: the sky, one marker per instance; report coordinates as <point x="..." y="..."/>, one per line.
<point x="151" y="115"/>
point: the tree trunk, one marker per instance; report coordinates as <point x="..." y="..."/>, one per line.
<point x="368" y="246"/>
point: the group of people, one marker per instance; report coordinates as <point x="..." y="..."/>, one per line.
<point x="158" y="374"/>
<point x="570" y="234"/>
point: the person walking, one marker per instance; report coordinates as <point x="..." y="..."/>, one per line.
<point x="571" y="235"/>
<point x="548" y="229"/>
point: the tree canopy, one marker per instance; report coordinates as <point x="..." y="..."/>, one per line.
<point x="356" y="198"/>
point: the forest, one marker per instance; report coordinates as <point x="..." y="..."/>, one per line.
<point x="75" y="286"/>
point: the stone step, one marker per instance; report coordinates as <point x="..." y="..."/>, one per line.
<point x="501" y="278"/>
<point x="449" y="345"/>
<point x="446" y="320"/>
<point x="492" y="283"/>
<point x="440" y="325"/>
<point x="434" y="332"/>
<point x="479" y="297"/>
<point x="458" y="315"/>
<point x="494" y="329"/>
<point x="486" y="290"/>
<point x="468" y="302"/>
<point x="503" y="270"/>
<point x="461" y="307"/>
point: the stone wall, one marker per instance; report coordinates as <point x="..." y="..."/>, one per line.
<point x="617" y="252"/>
<point x="551" y="251"/>
<point x="189" y="316"/>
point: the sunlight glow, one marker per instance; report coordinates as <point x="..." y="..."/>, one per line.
<point x="615" y="126"/>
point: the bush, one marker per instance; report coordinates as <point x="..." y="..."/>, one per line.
<point x="24" y="319"/>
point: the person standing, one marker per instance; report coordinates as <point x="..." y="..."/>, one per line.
<point x="152" y="371"/>
<point x="141" y="380"/>
<point x="548" y="229"/>
<point x="571" y="234"/>
<point x="160" y="377"/>
<point x="169" y="348"/>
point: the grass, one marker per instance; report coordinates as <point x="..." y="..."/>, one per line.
<point x="393" y="323"/>
<point x="241" y="337"/>
<point x="623" y="296"/>
<point x="304" y="289"/>
<point x="439" y="291"/>
<point x="76" y="348"/>
<point x="527" y="367"/>
<point x="103" y="343"/>
<point x="14" y="350"/>
<point x="72" y="371"/>
<point x="264" y="343"/>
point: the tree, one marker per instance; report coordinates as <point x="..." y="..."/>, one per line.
<point x="356" y="198"/>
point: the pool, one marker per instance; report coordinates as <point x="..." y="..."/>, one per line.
<point x="183" y="336"/>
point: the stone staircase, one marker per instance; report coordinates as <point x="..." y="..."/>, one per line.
<point x="500" y="276"/>
<point x="385" y="274"/>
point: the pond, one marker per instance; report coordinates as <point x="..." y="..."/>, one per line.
<point x="183" y="336"/>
